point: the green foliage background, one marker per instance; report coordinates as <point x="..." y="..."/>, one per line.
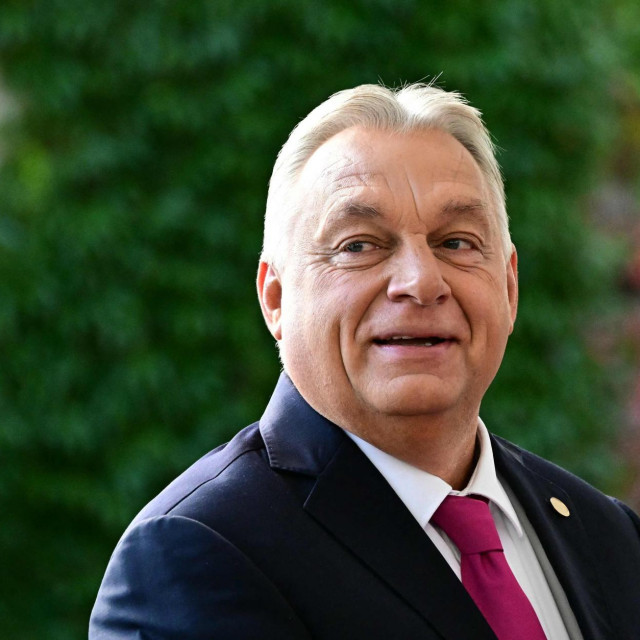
<point x="137" y="143"/>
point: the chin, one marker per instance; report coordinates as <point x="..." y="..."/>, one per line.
<point x="415" y="396"/>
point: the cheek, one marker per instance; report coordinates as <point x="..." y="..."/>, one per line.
<point x="309" y="316"/>
<point x="485" y="305"/>
<point x="328" y="307"/>
<point x="495" y="324"/>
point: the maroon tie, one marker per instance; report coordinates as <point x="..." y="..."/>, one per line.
<point x="485" y="572"/>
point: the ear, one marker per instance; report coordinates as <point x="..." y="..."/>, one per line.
<point x="512" y="285"/>
<point x="270" y="296"/>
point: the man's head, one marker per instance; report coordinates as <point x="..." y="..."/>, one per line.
<point x="387" y="276"/>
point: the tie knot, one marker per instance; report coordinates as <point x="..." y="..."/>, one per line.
<point x="469" y="523"/>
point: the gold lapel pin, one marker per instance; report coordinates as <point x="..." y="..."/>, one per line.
<point x="560" y="507"/>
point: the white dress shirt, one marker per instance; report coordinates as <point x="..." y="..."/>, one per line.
<point x="422" y="493"/>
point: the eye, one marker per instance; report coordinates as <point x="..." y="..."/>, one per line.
<point x="359" y="246"/>
<point x="359" y="253"/>
<point x="456" y="244"/>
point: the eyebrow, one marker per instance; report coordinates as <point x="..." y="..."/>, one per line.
<point x="355" y="209"/>
<point x="458" y="207"/>
<point x="363" y="211"/>
<point x="343" y="214"/>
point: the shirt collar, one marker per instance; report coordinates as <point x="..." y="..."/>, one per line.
<point x="422" y="492"/>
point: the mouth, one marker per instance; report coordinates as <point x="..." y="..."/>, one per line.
<point x="412" y="341"/>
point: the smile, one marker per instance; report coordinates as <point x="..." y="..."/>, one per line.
<point x="412" y="341"/>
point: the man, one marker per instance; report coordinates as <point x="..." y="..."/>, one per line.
<point x="389" y="281"/>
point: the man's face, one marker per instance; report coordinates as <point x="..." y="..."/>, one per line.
<point x="395" y="298"/>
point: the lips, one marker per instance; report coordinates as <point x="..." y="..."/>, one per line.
<point x="415" y="335"/>
<point x="411" y="341"/>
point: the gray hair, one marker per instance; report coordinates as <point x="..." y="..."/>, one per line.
<point x="415" y="107"/>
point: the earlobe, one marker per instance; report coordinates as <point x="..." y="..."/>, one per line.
<point x="512" y="285"/>
<point x="270" y="296"/>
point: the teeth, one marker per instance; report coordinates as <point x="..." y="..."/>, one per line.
<point x="427" y="342"/>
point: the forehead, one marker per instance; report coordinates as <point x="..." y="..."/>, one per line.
<point x="418" y="166"/>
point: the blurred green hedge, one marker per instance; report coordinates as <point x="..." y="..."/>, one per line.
<point x="137" y="141"/>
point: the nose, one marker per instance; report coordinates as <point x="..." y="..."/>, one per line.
<point x="416" y="275"/>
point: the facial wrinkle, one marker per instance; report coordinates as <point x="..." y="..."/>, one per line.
<point x="464" y="206"/>
<point x="341" y="217"/>
<point x="461" y="158"/>
<point x="412" y="190"/>
<point x="330" y="174"/>
<point x="344" y="204"/>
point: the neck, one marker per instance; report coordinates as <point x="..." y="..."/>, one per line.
<point x="443" y="447"/>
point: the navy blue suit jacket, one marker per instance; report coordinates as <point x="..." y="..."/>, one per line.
<point x="289" y="532"/>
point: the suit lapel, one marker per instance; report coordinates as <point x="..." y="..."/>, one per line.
<point x="352" y="501"/>
<point x="564" y="539"/>
<point x="358" y="507"/>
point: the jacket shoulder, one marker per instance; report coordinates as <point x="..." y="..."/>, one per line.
<point x="593" y="503"/>
<point x="235" y="455"/>
<point x="174" y="578"/>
